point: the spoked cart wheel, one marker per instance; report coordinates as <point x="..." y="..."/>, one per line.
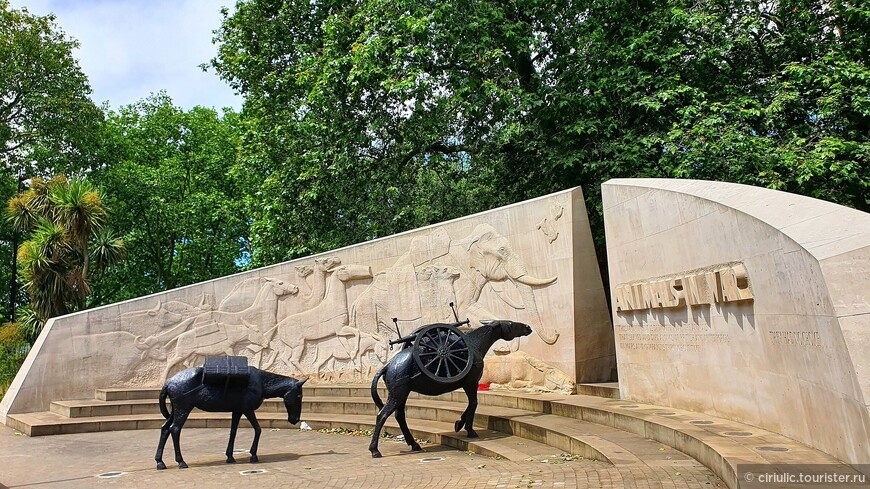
<point x="442" y="353"/>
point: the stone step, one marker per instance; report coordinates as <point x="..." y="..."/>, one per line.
<point x="718" y="443"/>
<point x="509" y="433"/>
<point x="348" y="390"/>
<point x="125" y="393"/>
<point x="609" y="390"/>
<point x="490" y="443"/>
<point x="571" y="423"/>
<point x="92" y="407"/>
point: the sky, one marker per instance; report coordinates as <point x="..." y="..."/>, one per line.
<point x="132" y="48"/>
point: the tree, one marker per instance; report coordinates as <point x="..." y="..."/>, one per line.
<point x="174" y="197"/>
<point x="47" y="122"/>
<point x="358" y="123"/>
<point x="13" y="350"/>
<point x="67" y="243"/>
<point x="46" y="117"/>
<point x="362" y="114"/>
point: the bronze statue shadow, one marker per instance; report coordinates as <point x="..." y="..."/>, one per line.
<point x="265" y="459"/>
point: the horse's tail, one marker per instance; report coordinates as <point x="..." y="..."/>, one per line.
<point x="162" y="403"/>
<point x="375" y="396"/>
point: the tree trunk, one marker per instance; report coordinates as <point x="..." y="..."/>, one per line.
<point x="13" y="281"/>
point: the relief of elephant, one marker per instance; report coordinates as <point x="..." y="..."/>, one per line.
<point x="482" y="258"/>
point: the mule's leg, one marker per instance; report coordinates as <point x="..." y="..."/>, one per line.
<point x="253" y="419"/>
<point x="164" y="435"/>
<point x="233" y="428"/>
<point x="175" y="429"/>
<point x="403" y="424"/>
<point x="467" y="418"/>
<point x="385" y="412"/>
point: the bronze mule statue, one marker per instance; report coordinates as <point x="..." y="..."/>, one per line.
<point x="187" y="390"/>
<point x="402" y="375"/>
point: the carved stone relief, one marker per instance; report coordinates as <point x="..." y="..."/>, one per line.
<point x="547" y="225"/>
<point x="437" y="270"/>
<point x="325" y="336"/>
<point x="330" y="316"/>
<point x="519" y="370"/>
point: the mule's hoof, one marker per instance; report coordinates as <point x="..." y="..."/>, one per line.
<point x="161" y="466"/>
<point x="472" y="434"/>
<point x="231" y="460"/>
<point x="254" y="459"/>
<point x="182" y="465"/>
<point x="376" y="454"/>
<point x="458" y="425"/>
<point x="416" y="448"/>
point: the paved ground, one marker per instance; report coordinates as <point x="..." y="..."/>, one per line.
<point x="309" y="458"/>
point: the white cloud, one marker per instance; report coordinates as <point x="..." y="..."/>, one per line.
<point x="132" y="48"/>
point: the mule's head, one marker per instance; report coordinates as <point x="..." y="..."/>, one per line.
<point x="293" y="401"/>
<point x="508" y="330"/>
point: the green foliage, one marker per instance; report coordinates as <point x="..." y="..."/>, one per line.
<point x="61" y="218"/>
<point x="48" y="125"/>
<point x="46" y="117"/>
<point x="13" y="349"/>
<point x="367" y="118"/>
<point x="173" y="198"/>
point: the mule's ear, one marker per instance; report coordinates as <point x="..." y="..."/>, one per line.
<point x="486" y="322"/>
<point x="303" y="381"/>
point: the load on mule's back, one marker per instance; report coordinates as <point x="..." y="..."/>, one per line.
<point x="224" y="384"/>
<point x="438" y="358"/>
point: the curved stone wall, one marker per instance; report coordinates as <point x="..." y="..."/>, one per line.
<point x="330" y="316"/>
<point x="744" y="303"/>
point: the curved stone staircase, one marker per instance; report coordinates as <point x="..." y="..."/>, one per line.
<point x="514" y="426"/>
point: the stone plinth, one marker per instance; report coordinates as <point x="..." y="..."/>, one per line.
<point x="744" y="303"/>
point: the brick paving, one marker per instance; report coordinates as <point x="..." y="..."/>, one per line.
<point x="310" y="459"/>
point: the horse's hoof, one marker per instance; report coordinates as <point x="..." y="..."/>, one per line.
<point x="376" y="454"/>
<point x="161" y="466"/>
<point x="254" y="459"/>
<point x="231" y="460"/>
<point x="416" y="448"/>
<point x="472" y="434"/>
<point x="182" y="465"/>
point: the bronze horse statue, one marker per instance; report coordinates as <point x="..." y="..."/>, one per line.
<point x="402" y="375"/>
<point x="187" y="390"/>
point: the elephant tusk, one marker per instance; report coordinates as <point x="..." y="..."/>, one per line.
<point x="551" y="340"/>
<point x="534" y="281"/>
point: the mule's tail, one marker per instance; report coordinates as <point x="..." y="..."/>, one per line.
<point x="162" y="403"/>
<point x="375" y="396"/>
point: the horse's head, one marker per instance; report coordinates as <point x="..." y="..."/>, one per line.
<point x="293" y="400"/>
<point x="508" y="330"/>
<point x="281" y="288"/>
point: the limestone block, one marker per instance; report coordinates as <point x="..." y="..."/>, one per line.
<point x="519" y="370"/>
<point x="744" y="303"/>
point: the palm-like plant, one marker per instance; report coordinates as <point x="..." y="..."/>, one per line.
<point x="67" y="238"/>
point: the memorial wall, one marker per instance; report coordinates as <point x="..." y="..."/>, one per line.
<point x="330" y="316"/>
<point x="744" y="303"/>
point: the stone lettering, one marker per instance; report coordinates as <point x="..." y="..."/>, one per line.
<point x="796" y="338"/>
<point x="711" y="285"/>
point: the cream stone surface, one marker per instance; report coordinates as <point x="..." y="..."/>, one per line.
<point x="784" y="347"/>
<point x="330" y="316"/>
<point x="519" y="370"/>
